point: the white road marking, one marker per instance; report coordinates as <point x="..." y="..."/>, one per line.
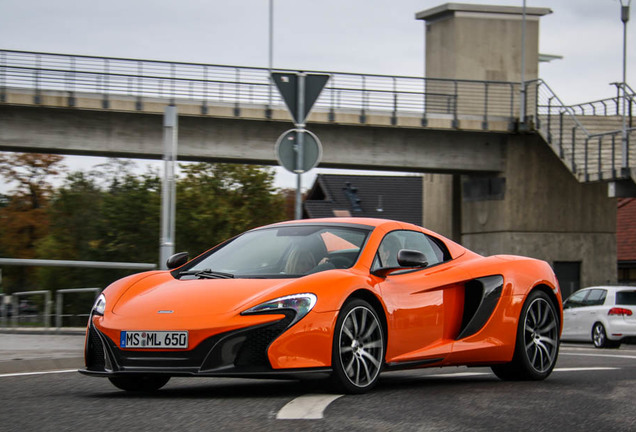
<point x="311" y="406"/>
<point x="457" y="374"/>
<point x="36" y="373"/>
<point x="600" y="355"/>
<point x="584" y="369"/>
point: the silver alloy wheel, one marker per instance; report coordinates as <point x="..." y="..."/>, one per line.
<point x="598" y="335"/>
<point x="361" y="346"/>
<point x="541" y="335"/>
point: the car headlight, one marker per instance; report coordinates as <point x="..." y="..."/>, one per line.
<point x="301" y="304"/>
<point x="99" y="306"/>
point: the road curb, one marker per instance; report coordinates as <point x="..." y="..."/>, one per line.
<point x="44" y="330"/>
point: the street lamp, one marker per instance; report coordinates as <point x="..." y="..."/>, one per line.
<point x="268" y="110"/>
<point x="522" y="99"/>
<point x="624" y="18"/>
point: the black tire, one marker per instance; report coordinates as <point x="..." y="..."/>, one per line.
<point x="599" y="337"/>
<point x="537" y="341"/>
<point x="358" y="348"/>
<point x="140" y="382"/>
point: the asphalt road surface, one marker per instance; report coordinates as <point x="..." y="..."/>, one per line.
<point x="590" y="390"/>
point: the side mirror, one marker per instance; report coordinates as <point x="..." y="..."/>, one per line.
<point x="411" y="258"/>
<point x="406" y="259"/>
<point x="177" y="260"/>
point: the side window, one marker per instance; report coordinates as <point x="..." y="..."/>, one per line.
<point x="432" y="248"/>
<point x="596" y="297"/>
<point x="576" y="300"/>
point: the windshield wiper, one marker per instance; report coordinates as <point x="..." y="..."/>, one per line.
<point x="207" y="274"/>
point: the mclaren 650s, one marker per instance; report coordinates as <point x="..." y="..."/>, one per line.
<point x="338" y="298"/>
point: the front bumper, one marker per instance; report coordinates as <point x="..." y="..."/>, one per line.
<point x="238" y="353"/>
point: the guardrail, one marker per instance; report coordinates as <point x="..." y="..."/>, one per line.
<point x="59" y="303"/>
<point x="43" y="319"/>
<point x="205" y="84"/>
<point x="16" y="309"/>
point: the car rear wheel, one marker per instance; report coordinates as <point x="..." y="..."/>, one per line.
<point x="358" y="348"/>
<point x="537" y="343"/>
<point x="599" y="337"/>
<point x="140" y="383"/>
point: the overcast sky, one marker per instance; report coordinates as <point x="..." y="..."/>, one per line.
<point x="365" y="36"/>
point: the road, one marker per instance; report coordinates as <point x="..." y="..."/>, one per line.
<point x="590" y="390"/>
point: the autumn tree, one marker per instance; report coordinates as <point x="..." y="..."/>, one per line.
<point x="23" y="216"/>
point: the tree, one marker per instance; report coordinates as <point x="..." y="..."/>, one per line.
<point x="218" y="201"/>
<point x="114" y="222"/>
<point x="23" y="217"/>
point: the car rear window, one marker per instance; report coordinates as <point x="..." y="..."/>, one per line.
<point x="626" y="298"/>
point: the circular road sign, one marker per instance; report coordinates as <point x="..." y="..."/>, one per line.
<point x="287" y="148"/>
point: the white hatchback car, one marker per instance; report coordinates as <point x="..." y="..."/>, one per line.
<point x="606" y="315"/>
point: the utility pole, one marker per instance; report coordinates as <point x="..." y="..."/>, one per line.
<point x="522" y="107"/>
<point x="168" y="186"/>
<point x="625" y="144"/>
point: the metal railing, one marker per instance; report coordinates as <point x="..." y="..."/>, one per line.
<point x="569" y="129"/>
<point x="609" y="106"/>
<point x="16" y="318"/>
<point x="205" y="84"/>
<point x="584" y="136"/>
<point x="59" y="304"/>
<point x="46" y="315"/>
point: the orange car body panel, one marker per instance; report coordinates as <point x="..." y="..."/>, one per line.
<point x="423" y="308"/>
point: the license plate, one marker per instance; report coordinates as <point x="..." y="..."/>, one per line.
<point x="154" y="339"/>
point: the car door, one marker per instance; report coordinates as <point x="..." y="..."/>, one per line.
<point x="424" y="305"/>
<point x="592" y="307"/>
<point x="572" y="328"/>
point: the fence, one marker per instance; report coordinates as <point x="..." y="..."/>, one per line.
<point x="17" y="316"/>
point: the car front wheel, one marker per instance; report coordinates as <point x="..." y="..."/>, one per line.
<point x="358" y="348"/>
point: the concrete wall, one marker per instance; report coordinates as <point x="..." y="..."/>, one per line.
<point x="480" y="42"/>
<point x="545" y="214"/>
<point x="437" y="192"/>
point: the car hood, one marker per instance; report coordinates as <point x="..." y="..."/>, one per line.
<point x="161" y="292"/>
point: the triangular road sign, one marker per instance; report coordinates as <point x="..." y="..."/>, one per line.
<point x="288" y="86"/>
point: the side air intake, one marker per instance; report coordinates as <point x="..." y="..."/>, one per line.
<point x="480" y="298"/>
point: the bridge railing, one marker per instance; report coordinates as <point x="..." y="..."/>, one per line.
<point x="206" y="84"/>
<point x="591" y="156"/>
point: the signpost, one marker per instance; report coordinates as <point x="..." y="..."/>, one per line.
<point x="299" y="150"/>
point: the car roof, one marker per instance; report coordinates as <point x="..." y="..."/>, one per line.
<point x="610" y="287"/>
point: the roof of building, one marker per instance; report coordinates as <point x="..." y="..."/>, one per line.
<point x="389" y="197"/>
<point x="626" y="229"/>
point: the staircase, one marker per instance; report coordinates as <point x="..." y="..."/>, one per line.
<point x="588" y="137"/>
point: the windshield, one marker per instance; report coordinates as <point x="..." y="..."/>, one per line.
<point x="285" y="251"/>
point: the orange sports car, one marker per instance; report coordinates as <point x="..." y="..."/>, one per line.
<point x="343" y="298"/>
